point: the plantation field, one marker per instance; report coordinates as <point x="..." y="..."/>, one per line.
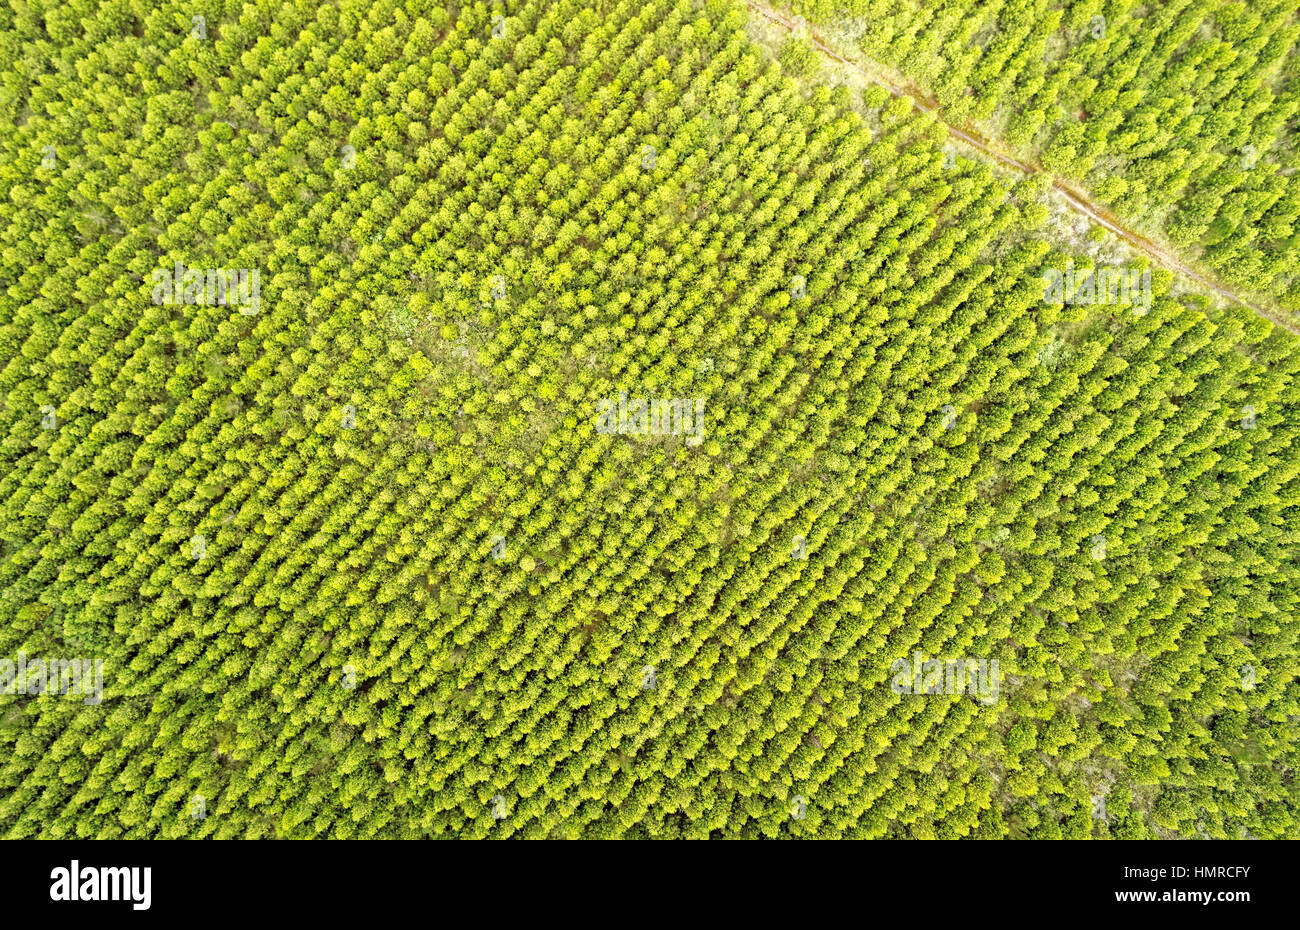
<point x="579" y="418"/>
<point x="1180" y="116"/>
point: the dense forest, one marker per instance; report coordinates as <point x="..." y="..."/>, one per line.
<point x="577" y="418"/>
<point x="1179" y="115"/>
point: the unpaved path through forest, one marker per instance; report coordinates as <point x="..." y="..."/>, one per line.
<point x="1073" y="196"/>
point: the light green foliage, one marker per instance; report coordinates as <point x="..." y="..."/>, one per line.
<point x="1179" y="115"/>
<point x="434" y="599"/>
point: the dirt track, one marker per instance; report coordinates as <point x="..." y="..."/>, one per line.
<point x="1072" y="195"/>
